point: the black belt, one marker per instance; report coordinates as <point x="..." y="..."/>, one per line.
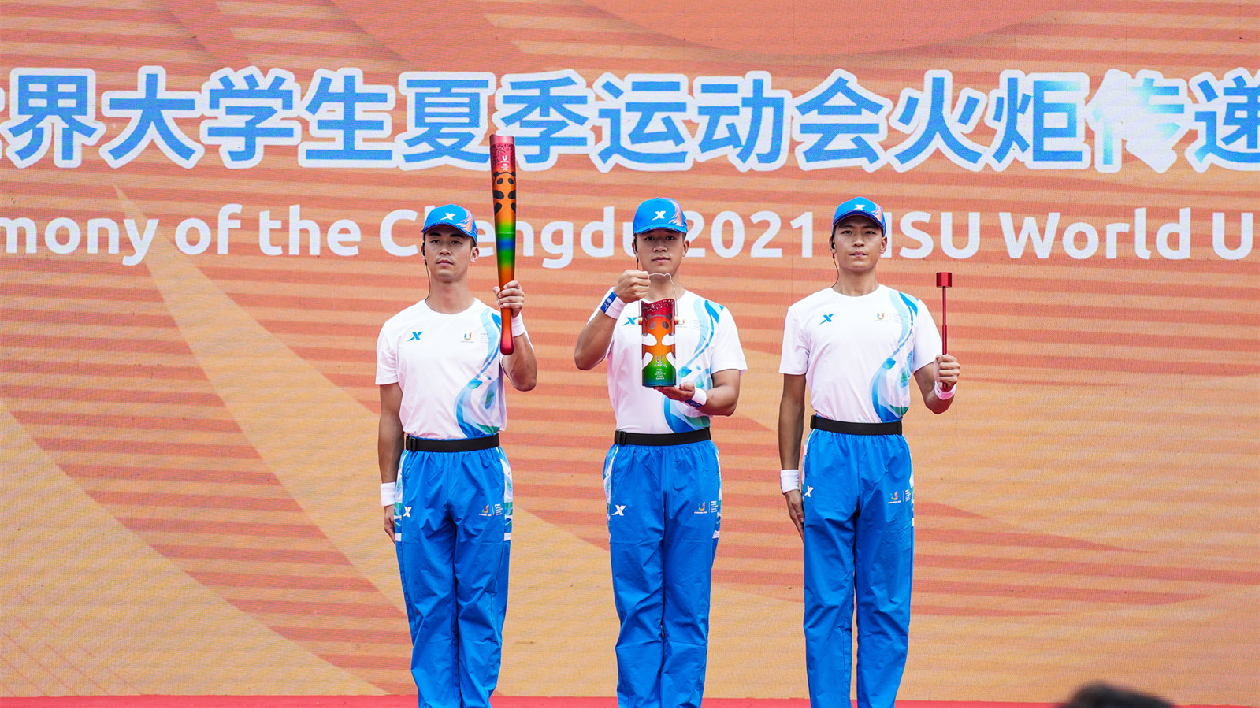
<point x="415" y="444"/>
<point x="842" y="426"/>
<point x="658" y="439"/>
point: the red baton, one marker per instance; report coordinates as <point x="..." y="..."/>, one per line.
<point x="944" y="281"/>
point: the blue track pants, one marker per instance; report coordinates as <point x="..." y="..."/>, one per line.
<point x="858" y="493"/>
<point x="664" y="510"/>
<point x="454" y="522"/>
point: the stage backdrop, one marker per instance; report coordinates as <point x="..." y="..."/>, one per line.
<point x="210" y="207"/>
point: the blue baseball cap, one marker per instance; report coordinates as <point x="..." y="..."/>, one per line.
<point x="659" y="213"/>
<point x="863" y="206"/>
<point x="452" y="215"/>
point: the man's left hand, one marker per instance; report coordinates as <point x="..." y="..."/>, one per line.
<point x="682" y="392"/>
<point x="947" y="371"/>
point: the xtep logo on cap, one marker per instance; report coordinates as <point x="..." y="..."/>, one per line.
<point x="863" y="206"/>
<point x="454" y="215"/>
<point x="454" y="219"/>
<point x="659" y="213"/>
<point x="876" y="212"/>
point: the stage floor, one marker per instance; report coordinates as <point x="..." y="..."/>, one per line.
<point x="408" y="701"/>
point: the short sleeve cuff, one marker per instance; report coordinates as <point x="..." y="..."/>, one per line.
<point x="793" y="370"/>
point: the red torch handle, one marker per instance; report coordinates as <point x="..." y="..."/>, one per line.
<point x="944" y="281"/>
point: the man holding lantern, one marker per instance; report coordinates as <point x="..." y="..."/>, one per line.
<point x="674" y="360"/>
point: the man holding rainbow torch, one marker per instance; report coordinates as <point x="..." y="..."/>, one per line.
<point x="446" y="485"/>
<point x="661" y="477"/>
<point x="856" y="344"/>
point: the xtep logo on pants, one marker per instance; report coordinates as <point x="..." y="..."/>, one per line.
<point x="618" y="510"/>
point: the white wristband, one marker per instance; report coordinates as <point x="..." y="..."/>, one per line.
<point x="698" y="398"/>
<point x="612" y="305"/>
<point x="387" y="493"/>
<point x="943" y="395"/>
<point x="518" y="325"/>
<point x="789" y="480"/>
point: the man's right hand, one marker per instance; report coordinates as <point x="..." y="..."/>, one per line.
<point x="633" y="285"/>
<point x="796" y="510"/>
<point x="389" y="521"/>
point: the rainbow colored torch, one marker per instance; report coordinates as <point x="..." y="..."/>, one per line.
<point x="503" y="188"/>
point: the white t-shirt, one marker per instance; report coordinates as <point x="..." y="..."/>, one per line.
<point x="449" y="369"/>
<point x="859" y="354"/>
<point x="705" y="341"/>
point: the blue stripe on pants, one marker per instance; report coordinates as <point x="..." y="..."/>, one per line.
<point x="664" y="510"/>
<point x="455" y="526"/>
<point x="859" y="526"/>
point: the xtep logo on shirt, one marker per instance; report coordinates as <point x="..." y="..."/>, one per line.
<point x="632" y="321"/>
<point x="827" y="318"/>
<point x="618" y="510"/>
<point x="415" y="336"/>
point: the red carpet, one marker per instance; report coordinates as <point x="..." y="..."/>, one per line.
<point x="410" y="701"/>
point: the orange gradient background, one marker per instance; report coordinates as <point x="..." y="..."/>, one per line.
<point x="189" y="473"/>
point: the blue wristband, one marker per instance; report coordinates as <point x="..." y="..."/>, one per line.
<point x="698" y="398"/>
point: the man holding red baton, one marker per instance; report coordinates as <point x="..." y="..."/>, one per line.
<point x="856" y="345"/>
